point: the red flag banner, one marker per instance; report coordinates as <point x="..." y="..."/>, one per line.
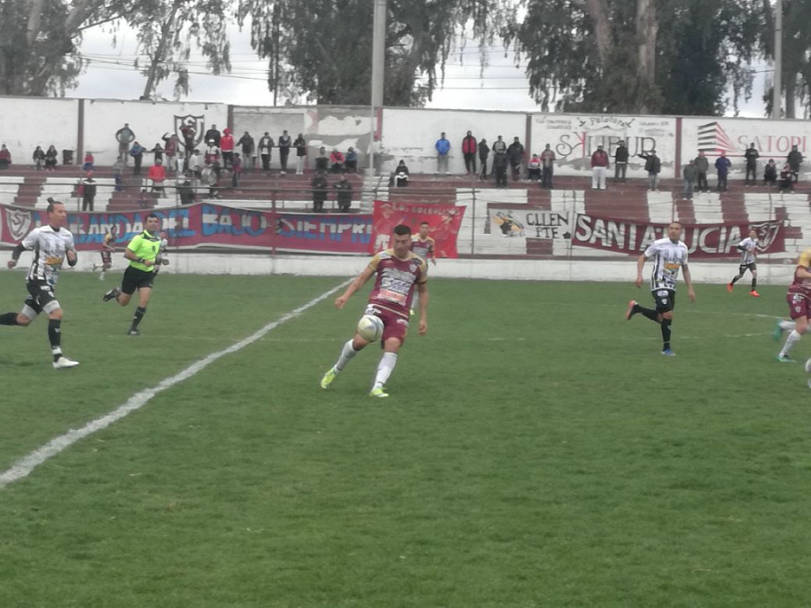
<point x="444" y="220"/>
<point x="702" y="240"/>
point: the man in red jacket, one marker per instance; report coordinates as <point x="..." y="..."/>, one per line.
<point x="227" y="148"/>
<point x="157" y="173"/>
<point x="469" y="149"/>
<point x="599" y="167"/>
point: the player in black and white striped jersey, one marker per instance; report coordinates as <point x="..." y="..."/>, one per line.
<point x="669" y="256"/>
<point x="51" y="244"/>
<point x="748" y="249"/>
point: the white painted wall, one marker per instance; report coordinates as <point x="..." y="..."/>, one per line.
<point x="772" y="138"/>
<point x="574" y="137"/>
<point x="275" y="121"/>
<point x="28" y="122"/>
<point x="148" y="120"/>
<point x="411" y="134"/>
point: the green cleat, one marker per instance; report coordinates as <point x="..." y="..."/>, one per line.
<point x="778" y="331"/>
<point x="378" y="392"/>
<point x="328" y="378"/>
<point x="784" y="359"/>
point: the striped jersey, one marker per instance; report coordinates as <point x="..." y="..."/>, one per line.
<point x="748" y="247"/>
<point x="423" y="249"/>
<point x="396" y="280"/>
<point x="668" y="259"/>
<point x="50" y="247"/>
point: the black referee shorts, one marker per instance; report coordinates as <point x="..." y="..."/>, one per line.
<point x="136" y="279"/>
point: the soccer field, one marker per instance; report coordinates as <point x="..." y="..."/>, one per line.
<point x="536" y="450"/>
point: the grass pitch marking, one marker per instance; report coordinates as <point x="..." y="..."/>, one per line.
<point x="25" y="465"/>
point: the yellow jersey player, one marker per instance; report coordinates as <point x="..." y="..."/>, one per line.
<point x="799" y="307"/>
<point x="424" y="247"/>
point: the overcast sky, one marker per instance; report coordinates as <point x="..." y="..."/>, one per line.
<point x="502" y="86"/>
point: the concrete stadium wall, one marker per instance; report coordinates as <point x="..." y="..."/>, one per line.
<point x="257" y="120"/>
<point x="26" y="123"/>
<point x="148" y="120"/>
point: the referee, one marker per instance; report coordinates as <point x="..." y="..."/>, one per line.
<point x="142" y="253"/>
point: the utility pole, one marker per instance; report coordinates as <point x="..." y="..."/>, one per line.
<point x="777" y="94"/>
<point x="378" y="72"/>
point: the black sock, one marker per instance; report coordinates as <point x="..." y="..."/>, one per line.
<point x="55" y="337"/>
<point x="666" y="333"/>
<point x="754" y="284"/>
<point x="736" y="279"/>
<point x="649" y="313"/>
<point x="136" y="319"/>
<point x="10" y="318"/>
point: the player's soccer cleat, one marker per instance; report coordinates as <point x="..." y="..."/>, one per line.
<point x="64" y="363"/>
<point x="378" y="393"/>
<point x="133" y="332"/>
<point x="754" y="294"/>
<point x="631" y="311"/>
<point x="328" y="378"/>
<point x="112" y="294"/>
<point x="777" y="332"/>
<point x="730" y="287"/>
<point x="785" y="359"/>
<point x="668" y="353"/>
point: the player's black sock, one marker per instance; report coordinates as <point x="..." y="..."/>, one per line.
<point x="666" y="323"/>
<point x="136" y="319"/>
<point x="55" y="337"/>
<point x="648" y="313"/>
<point x="754" y="284"/>
<point x="736" y="279"/>
<point x="10" y="318"/>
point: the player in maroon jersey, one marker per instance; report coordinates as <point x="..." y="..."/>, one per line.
<point x="398" y="272"/>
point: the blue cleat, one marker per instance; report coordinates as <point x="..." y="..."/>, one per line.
<point x="668" y="352"/>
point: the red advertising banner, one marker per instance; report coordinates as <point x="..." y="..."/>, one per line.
<point x="702" y="240"/>
<point x="444" y="220"/>
<point x="206" y="225"/>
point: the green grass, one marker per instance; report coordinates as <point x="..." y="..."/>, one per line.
<point x="536" y="451"/>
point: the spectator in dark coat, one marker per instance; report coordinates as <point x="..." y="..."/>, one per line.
<point x="50" y="158"/>
<point x="722" y="166"/>
<point x="124" y="136"/>
<point x="469" y="149"/>
<point x="322" y="161"/>
<point x="185" y="191"/>
<point x="266" y="151"/>
<point x="702" y="167"/>
<point x="351" y="160"/>
<point x="301" y="153"/>
<point x="214" y="134"/>
<point x="500" y="162"/>
<point x="248" y="150"/>
<point x="787" y="179"/>
<point x="137" y="153"/>
<point x="548" y="159"/>
<point x="516" y="155"/>
<point x="343" y="194"/>
<point x="770" y="173"/>
<point x="285" y="141"/>
<point x="690" y="174"/>
<point x="620" y="162"/>
<point x="5" y="157"/>
<point x="38" y="157"/>
<point x="401" y="175"/>
<point x="795" y="160"/>
<point x="751" y="155"/>
<point x="653" y="165"/>
<point x="484" y="152"/>
<point x="88" y="192"/>
<point x="319" y="185"/>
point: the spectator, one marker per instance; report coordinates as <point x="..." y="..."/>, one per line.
<point x="795" y="159"/>
<point x="770" y="174"/>
<point x="722" y="165"/>
<point x="89" y="161"/>
<point x="620" y="162"/>
<point x="469" y="149"/>
<point x="157" y="174"/>
<point x="236" y="170"/>
<point x="38" y="157"/>
<point x="196" y="163"/>
<point x="124" y="136"/>
<point x="653" y="165"/>
<point x="499" y="146"/>
<point x="248" y="150"/>
<point x="599" y="166"/>
<point x="227" y="148"/>
<point x="690" y="174"/>
<point x="751" y="155"/>
<point x="702" y="168"/>
<point x="484" y="152"/>
<point x="343" y="194"/>
<point x="212" y="155"/>
<point x="401" y="175"/>
<point x="351" y="160"/>
<point x="443" y="148"/>
<point x="185" y="191"/>
<point x="50" y="158"/>
<point x="516" y="155"/>
<point x="500" y="163"/>
<point x="534" y="168"/>
<point x="786" y="179"/>
<point x="266" y="151"/>
<point x="137" y="153"/>
<point x="209" y="177"/>
<point x="319" y="185"/>
<point x="171" y="149"/>
<point x="337" y="159"/>
<point x="301" y="153"/>
<point x="118" y="173"/>
<point x="5" y="157"/>
<point x="158" y="152"/>
<point x="214" y="134"/>
<point x="143" y="199"/>
<point x="189" y="134"/>
<point x="284" y="150"/>
<point x="322" y="161"/>
<point x="88" y="192"/>
<point x="548" y="161"/>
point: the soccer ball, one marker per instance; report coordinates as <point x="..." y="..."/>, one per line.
<point x="370" y="328"/>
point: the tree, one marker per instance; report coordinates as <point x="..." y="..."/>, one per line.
<point x="323" y="48"/>
<point x="637" y="56"/>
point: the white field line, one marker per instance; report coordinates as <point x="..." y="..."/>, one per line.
<point x="25" y="465"/>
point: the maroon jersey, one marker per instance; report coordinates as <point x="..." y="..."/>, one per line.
<point x="800" y="285"/>
<point x="423" y="249"/>
<point x="396" y="279"/>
